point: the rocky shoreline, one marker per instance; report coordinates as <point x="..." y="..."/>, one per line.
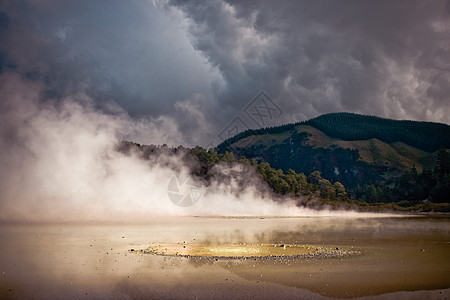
<point x="319" y="252"/>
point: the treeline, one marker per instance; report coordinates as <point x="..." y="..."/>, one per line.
<point x="298" y="184"/>
<point x="202" y="161"/>
<point x="409" y="190"/>
<point x="226" y="145"/>
<point x="284" y="183"/>
<point x="412" y="187"/>
<point x="427" y="136"/>
<point x="413" y="191"/>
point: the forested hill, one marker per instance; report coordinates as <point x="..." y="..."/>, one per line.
<point x="427" y="136"/>
<point x="350" y="148"/>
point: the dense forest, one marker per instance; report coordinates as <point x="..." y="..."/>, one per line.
<point x="412" y="187"/>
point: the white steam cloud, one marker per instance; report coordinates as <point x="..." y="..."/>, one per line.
<point x="59" y="162"/>
<point x="59" y="159"/>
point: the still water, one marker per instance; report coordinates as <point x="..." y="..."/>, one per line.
<point x="407" y="256"/>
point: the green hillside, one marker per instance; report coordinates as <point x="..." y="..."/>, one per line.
<point x="426" y="136"/>
<point x="349" y="148"/>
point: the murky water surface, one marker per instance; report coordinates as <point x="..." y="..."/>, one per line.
<point x="85" y="261"/>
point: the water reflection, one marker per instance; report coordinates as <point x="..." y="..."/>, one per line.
<point x="50" y="260"/>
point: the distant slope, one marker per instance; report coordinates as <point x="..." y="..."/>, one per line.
<point x="427" y="136"/>
<point x="349" y="148"/>
<point x="397" y="155"/>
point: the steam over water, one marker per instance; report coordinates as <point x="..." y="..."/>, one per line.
<point x="59" y="162"/>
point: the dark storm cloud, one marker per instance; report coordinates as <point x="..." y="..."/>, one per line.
<point x="198" y="64"/>
<point x="389" y="58"/>
<point x="127" y="51"/>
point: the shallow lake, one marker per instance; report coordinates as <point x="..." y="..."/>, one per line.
<point x="408" y="256"/>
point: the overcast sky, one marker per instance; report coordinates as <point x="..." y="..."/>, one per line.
<point x="202" y="63"/>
